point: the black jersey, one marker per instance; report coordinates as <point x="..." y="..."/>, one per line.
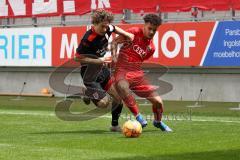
<point x="95" y="76"/>
<point x="95" y="44"/>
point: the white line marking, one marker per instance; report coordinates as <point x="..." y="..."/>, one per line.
<point x="195" y="119"/>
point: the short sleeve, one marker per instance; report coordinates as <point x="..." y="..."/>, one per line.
<point x="84" y="47"/>
<point x="111" y="29"/>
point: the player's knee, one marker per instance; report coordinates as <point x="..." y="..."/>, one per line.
<point x="122" y="88"/>
<point x="103" y="103"/>
<point x="113" y="92"/>
<point x="157" y="100"/>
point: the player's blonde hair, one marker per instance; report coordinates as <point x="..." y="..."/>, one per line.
<point x="101" y="15"/>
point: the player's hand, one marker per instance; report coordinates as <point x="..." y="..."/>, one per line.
<point x="114" y="59"/>
<point x="131" y="36"/>
<point x="106" y="60"/>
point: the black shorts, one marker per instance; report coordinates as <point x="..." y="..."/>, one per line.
<point x="95" y="78"/>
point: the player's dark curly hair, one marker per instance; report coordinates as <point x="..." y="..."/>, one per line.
<point x="101" y="15"/>
<point x="153" y="19"/>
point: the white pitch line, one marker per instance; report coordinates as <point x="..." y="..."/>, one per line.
<point x="210" y="120"/>
<point x="17" y="112"/>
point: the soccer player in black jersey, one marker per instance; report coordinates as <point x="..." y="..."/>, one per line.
<point x="94" y="69"/>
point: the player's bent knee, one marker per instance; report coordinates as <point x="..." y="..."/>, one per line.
<point x="156" y="100"/>
<point x="122" y="87"/>
<point x="103" y="103"/>
<point x="113" y="92"/>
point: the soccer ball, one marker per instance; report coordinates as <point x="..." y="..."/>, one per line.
<point x="132" y="128"/>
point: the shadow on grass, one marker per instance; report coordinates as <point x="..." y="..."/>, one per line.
<point x="92" y="131"/>
<point x="97" y="131"/>
<point x="211" y="155"/>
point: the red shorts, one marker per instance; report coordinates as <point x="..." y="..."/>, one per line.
<point x="137" y="82"/>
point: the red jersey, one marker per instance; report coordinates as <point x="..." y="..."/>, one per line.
<point x="132" y="55"/>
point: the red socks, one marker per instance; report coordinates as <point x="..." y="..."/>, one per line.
<point x="131" y="104"/>
<point x="157" y="111"/>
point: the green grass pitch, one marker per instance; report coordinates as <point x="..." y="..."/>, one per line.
<point x="31" y="131"/>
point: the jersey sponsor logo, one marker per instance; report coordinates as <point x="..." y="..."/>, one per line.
<point x="139" y="51"/>
<point x="101" y="52"/>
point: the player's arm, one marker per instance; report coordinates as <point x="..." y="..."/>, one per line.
<point x="88" y="59"/>
<point x="126" y="34"/>
<point x="114" y="46"/>
<point x="125" y="37"/>
<point x="84" y="53"/>
<point x="85" y="59"/>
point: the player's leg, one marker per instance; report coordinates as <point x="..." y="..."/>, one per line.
<point x="92" y="76"/>
<point x="124" y="91"/>
<point x="107" y="83"/>
<point x="122" y="87"/>
<point x="102" y="82"/>
<point x="89" y="75"/>
<point x="97" y="95"/>
<point x="101" y="103"/>
<point x="117" y="106"/>
<point x="86" y="100"/>
<point x="144" y="89"/>
<point x="116" y="113"/>
<point x="157" y="108"/>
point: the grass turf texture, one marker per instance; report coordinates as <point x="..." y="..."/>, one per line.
<point x="31" y="131"/>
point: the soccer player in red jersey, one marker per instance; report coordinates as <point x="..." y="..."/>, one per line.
<point x="129" y="75"/>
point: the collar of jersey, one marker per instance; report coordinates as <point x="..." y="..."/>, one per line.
<point x="93" y="30"/>
<point x="145" y="39"/>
